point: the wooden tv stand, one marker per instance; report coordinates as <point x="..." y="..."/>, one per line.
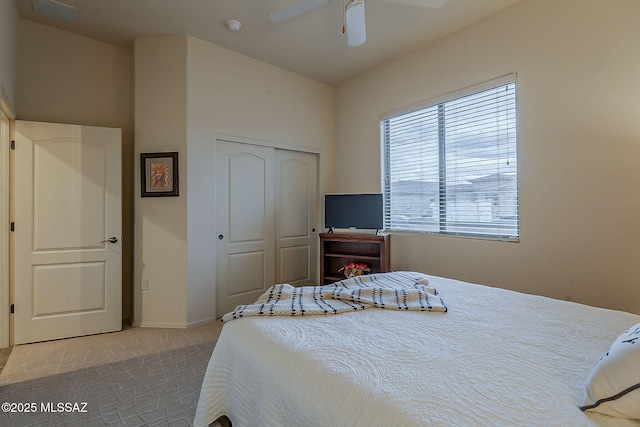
<point x="338" y="249"/>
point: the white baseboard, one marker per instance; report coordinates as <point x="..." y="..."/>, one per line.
<point x="201" y="322"/>
<point x="159" y="325"/>
<point x="172" y="325"/>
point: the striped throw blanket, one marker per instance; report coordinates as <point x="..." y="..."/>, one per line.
<point x="401" y="290"/>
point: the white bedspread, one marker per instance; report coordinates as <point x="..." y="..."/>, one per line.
<point x="495" y="358"/>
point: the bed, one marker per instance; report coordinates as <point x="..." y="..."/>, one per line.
<point x="495" y="357"/>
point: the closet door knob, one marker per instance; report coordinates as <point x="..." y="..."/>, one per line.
<point x="220" y="237"/>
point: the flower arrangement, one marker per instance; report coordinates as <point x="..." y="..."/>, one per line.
<point x="352" y="269"/>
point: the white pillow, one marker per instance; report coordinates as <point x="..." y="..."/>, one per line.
<point x="614" y="387"/>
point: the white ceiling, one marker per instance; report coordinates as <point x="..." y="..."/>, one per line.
<point x="311" y="44"/>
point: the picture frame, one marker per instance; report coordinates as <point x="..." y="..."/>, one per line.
<point x="159" y="174"/>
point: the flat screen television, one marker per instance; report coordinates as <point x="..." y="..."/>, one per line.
<point x="359" y="211"/>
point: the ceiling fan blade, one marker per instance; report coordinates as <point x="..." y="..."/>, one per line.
<point x="423" y="3"/>
<point x="296" y="9"/>
<point x="355" y="23"/>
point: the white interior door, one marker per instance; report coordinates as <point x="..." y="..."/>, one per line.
<point x="4" y="231"/>
<point x="245" y="202"/>
<point x="296" y="198"/>
<point x="67" y="190"/>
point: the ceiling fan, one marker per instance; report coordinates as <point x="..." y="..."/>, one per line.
<point x="354" y="21"/>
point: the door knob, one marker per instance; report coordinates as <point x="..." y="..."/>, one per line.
<point x="220" y="237"/>
<point x="113" y="239"/>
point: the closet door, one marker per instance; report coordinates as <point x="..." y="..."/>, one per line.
<point x="266" y="204"/>
<point x="245" y="209"/>
<point x="296" y="197"/>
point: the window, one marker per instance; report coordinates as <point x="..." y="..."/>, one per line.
<point x="450" y="166"/>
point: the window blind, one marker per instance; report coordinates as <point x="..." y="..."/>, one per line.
<point x="451" y="167"/>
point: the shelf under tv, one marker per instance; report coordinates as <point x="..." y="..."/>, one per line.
<point x="338" y="249"/>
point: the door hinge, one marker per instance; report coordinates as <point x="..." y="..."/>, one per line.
<point x="13" y="226"/>
<point x="13" y="144"/>
<point x="12" y="309"/>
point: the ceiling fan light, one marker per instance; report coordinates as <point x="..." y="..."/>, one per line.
<point x="355" y="22"/>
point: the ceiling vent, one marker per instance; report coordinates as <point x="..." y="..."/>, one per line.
<point x="55" y="9"/>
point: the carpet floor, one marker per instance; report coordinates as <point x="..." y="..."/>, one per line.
<point x="136" y="377"/>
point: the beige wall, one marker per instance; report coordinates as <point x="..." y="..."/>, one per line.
<point x="8" y="51"/>
<point x="579" y="146"/>
<point x="65" y="78"/>
<point x="161" y="222"/>
<point x="233" y="94"/>
<point x="187" y="91"/>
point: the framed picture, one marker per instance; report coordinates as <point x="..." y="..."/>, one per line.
<point x="159" y="173"/>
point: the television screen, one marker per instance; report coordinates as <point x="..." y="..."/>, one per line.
<point x="353" y="211"/>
